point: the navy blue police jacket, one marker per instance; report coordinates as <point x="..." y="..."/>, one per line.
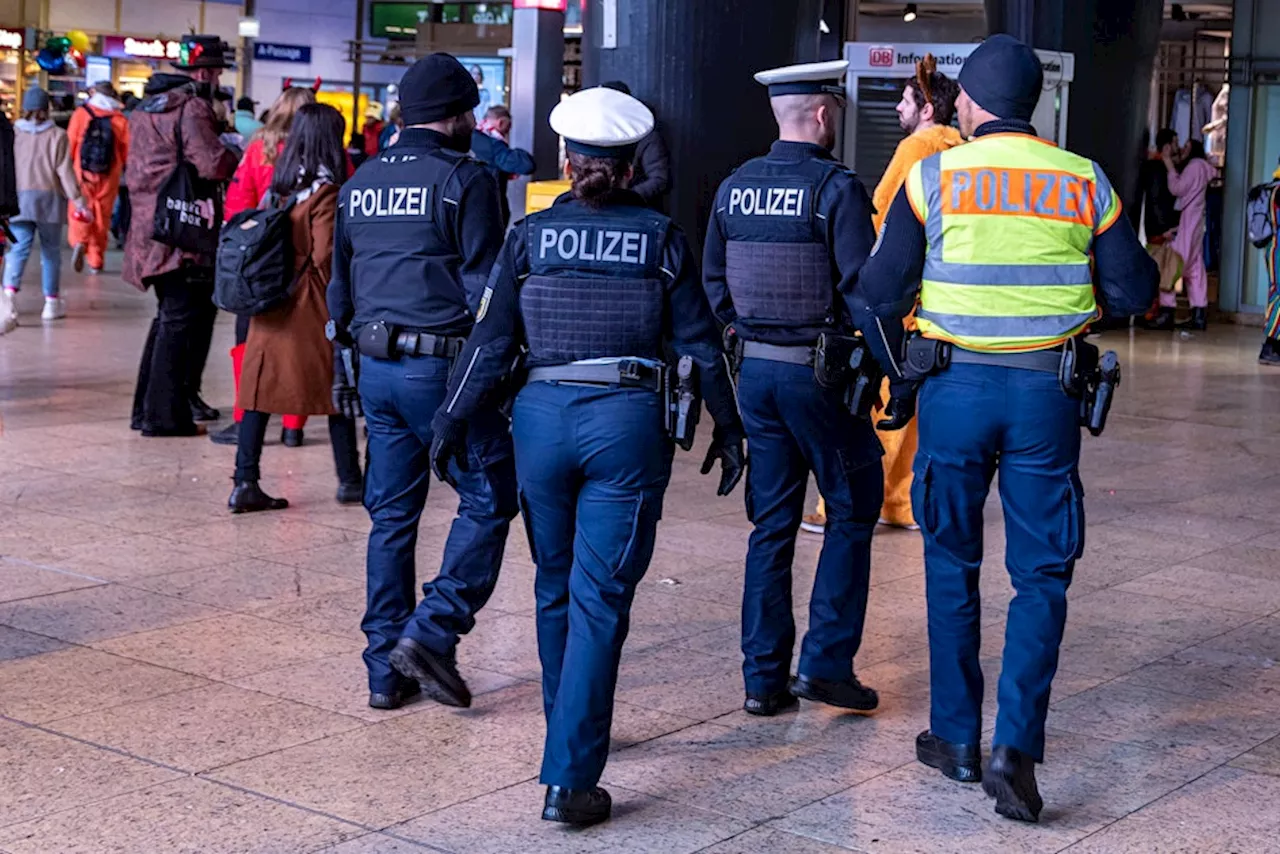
<point x="419" y="228"/>
<point x="788" y="236"/>
<point x="577" y="282"/>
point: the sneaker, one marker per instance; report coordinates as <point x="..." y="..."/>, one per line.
<point x="910" y="527"/>
<point x="8" y="312"/>
<point x="95" y="271"/>
<point x="55" y="308"/>
<point x="77" y="258"/>
<point x="814" y="523"/>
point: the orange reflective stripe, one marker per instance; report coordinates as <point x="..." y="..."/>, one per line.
<point x="1111" y="217"/>
<point x="1039" y="193"/>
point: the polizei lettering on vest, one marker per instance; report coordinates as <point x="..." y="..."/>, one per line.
<point x="766" y="201"/>
<point x="594" y="244"/>
<point x="378" y="202"/>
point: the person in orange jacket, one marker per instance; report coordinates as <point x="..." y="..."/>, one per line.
<point x="98" y="156"/>
<point x="925" y="112"/>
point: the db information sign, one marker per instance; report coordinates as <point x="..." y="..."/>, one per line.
<point x="273" y="52"/>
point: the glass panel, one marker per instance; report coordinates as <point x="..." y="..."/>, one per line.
<point x="878" y="131"/>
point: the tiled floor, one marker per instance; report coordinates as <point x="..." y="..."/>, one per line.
<point x="175" y="680"/>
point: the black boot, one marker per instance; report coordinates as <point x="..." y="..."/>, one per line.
<point x="246" y="497"/>
<point x="291" y="437"/>
<point x="1011" y="780"/>
<point x="229" y="435"/>
<point x="960" y="762"/>
<point x="850" y="694"/>
<point x="1270" y="354"/>
<point x="1164" y="320"/>
<point x="1198" y="322"/>
<point x="768" y="705"/>
<point x="577" y="806"/>
<point x="437" y="674"/>
<point x="406" y="693"/>
<point x="201" y="411"/>
<point x="351" y="493"/>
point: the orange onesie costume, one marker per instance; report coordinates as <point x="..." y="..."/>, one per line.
<point x="99" y="191"/>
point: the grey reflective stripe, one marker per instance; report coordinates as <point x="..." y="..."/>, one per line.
<point x="931" y="180"/>
<point x="949" y="273"/>
<point x="1102" y="193"/>
<point x="1036" y="326"/>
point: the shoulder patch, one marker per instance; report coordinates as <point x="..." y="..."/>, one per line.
<point x="484" y="304"/>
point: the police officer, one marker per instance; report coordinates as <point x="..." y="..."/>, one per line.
<point x="418" y="230"/>
<point x="1002" y="231"/>
<point x="594" y="287"/>
<point x="789" y="233"/>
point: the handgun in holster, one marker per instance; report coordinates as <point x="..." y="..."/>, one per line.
<point x="511" y="383"/>
<point x="845" y="363"/>
<point x="1092" y="378"/>
<point x="733" y="345"/>
<point x="684" y="404"/>
<point x="924" y="357"/>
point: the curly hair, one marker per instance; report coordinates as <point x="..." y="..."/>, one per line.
<point x="594" y="178"/>
<point x="931" y="86"/>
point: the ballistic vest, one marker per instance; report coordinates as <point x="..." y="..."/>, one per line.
<point x="1010" y="221"/>
<point x="596" y="287"/>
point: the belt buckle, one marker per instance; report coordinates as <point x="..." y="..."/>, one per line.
<point x="630" y="370"/>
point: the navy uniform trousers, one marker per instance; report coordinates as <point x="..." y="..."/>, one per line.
<point x="975" y="421"/>
<point x="400" y="396"/>
<point x="593" y="464"/>
<point x="794" y="427"/>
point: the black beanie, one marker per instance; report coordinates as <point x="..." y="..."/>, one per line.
<point x="1003" y="76"/>
<point x="436" y="87"/>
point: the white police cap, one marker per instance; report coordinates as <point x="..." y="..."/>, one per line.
<point x="601" y="122"/>
<point x="811" y="78"/>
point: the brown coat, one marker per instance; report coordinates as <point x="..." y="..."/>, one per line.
<point x="288" y="361"/>
<point x="153" y="154"/>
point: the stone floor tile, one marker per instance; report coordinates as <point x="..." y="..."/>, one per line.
<point x="189" y="816"/>
<point x="680" y="682"/>
<point x="19" y="644"/>
<point x="1260" y="638"/>
<point x="720" y="583"/>
<point x="1218" y="812"/>
<point x="1122" y="541"/>
<point x="248" y="585"/>
<point x="1241" y="559"/>
<point x="658" y="618"/>
<point x="205" y="727"/>
<point x="338" y="614"/>
<point x="378" y="843"/>
<point x="1108" y="653"/>
<point x="98" y="613"/>
<point x="1205" y="587"/>
<point x="765" y="838"/>
<point x="1263" y="759"/>
<point x="385" y="773"/>
<point x="1216" y="676"/>
<point x="1200" y="729"/>
<point x="502" y="643"/>
<point x="507" y="821"/>
<point x="262" y="534"/>
<point x="346" y="559"/>
<point x="22" y="580"/>
<point x="1187" y="621"/>
<point x="46" y="773"/>
<point x="126" y="556"/>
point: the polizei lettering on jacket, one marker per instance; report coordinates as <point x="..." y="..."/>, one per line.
<point x="604" y="245"/>
<point x="389" y="203"/>
<point x="767" y="201"/>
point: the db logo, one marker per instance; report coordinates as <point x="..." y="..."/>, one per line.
<point x="880" y="57"/>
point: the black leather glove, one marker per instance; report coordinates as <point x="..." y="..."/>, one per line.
<point x="899" y="411"/>
<point x="346" y="399"/>
<point x="449" y="445"/>
<point x="726" y="446"/>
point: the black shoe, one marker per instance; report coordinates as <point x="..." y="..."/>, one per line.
<point x="577" y="806"/>
<point x="960" y="762"/>
<point x="1011" y="779"/>
<point x="1270" y="354"/>
<point x="201" y="411"/>
<point x="1163" y="321"/>
<point x="1198" y="322"/>
<point x="135" y="425"/>
<point x="229" y="435"/>
<point x="246" y="497"/>
<point x="768" y="705"/>
<point x="846" y="695"/>
<point x="407" y="693"/>
<point x="292" y="438"/>
<point x="179" y="432"/>
<point x="351" y="493"/>
<point x="437" y="674"/>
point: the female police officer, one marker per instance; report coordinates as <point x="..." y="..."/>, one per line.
<point x="593" y="288"/>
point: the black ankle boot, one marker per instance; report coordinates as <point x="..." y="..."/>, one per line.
<point x="247" y="497"/>
<point x="351" y="493"/>
<point x="292" y="438"/>
<point x="1198" y="322"/>
<point x="201" y="411"/>
<point x="1010" y="778"/>
<point x="577" y="806"/>
<point x="1270" y="354"/>
<point x="1163" y="320"/>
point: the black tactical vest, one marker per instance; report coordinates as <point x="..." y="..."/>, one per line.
<point x="595" y="287"/>
<point x="777" y="266"/>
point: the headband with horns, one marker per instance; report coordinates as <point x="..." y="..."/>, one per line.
<point x="925" y="69"/>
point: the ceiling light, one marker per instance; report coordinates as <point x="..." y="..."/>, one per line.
<point x="910" y="14"/>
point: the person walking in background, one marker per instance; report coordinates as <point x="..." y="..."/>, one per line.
<point x="1188" y="185"/>
<point x="391" y="132"/>
<point x="1270" y="354"/>
<point x="99" y="136"/>
<point x="246" y="124"/>
<point x="46" y="181"/>
<point x="8" y="208"/>
<point x="489" y="145"/>
<point x="176" y="106"/>
<point x="289" y="363"/>
<point x="250" y="183"/>
<point x="651" y="180"/>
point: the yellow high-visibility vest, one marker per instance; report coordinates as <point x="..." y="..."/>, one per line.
<point x="1010" y="221"/>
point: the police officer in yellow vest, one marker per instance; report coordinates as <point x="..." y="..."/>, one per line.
<point x="1003" y="241"/>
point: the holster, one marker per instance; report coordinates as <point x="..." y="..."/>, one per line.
<point x="510" y="384"/>
<point x="1092" y="379"/>
<point x="733" y="345"/>
<point x="377" y="340"/>
<point x="925" y="357"/>
<point x="833" y="360"/>
<point x="684" y="402"/>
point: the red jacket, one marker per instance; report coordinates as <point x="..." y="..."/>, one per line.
<point x="253" y="179"/>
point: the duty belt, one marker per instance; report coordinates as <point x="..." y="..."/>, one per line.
<point x="426" y="344"/>
<point x="1048" y="361"/>
<point x="773" y="353"/>
<point x="628" y="372"/>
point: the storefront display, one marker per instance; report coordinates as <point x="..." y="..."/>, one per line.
<point x="11" y="69"/>
<point x="490" y="74"/>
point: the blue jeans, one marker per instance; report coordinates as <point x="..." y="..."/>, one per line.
<point x="50" y="254"/>
<point x="593" y="465"/>
<point x="795" y="427"/>
<point x="400" y="397"/>
<point x="976" y="420"/>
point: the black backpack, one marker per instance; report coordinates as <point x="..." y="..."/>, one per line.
<point x="98" y="149"/>
<point x="1257" y="217"/>
<point x="188" y="208"/>
<point x="254" y="269"/>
